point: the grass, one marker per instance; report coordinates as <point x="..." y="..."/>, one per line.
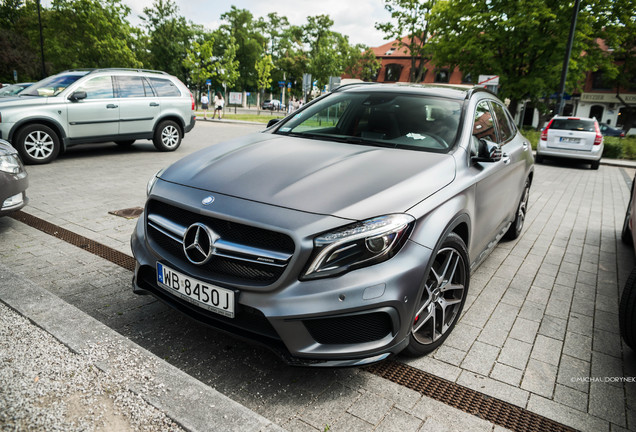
<point x="264" y="117"/>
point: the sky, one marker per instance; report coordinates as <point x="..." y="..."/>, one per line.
<point x="353" y="19"/>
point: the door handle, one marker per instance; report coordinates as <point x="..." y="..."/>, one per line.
<point x="505" y="158"/>
<point x="111" y="106"/>
<point x="525" y="145"/>
<point x="153" y="104"/>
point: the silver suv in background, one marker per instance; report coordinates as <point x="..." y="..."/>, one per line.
<point x="573" y="138"/>
<point x="97" y="105"/>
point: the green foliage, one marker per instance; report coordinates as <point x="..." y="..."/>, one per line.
<point x="521" y="41"/>
<point x="620" y="148"/>
<point x="199" y="61"/>
<point x="264" y="68"/>
<point x="169" y="37"/>
<point x="362" y="63"/>
<point x="410" y="26"/>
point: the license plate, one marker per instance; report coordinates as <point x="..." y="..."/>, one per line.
<point x="570" y="140"/>
<point x="215" y="299"/>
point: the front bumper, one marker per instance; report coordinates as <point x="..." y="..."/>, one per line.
<point x="357" y="318"/>
<point x="13" y="192"/>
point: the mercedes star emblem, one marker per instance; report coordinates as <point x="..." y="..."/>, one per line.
<point x="207" y="200"/>
<point x="198" y="243"/>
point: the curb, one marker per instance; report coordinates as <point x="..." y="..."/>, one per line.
<point x="188" y="402"/>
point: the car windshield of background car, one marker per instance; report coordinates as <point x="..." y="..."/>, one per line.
<point x="403" y="121"/>
<point x="51" y="86"/>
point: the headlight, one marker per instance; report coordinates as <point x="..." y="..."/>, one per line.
<point x="358" y="245"/>
<point x="153" y="180"/>
<point x="10" y="163"/>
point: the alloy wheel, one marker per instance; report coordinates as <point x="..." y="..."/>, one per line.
<point x="170" y="136"/>
<point x="39" y="145"/>
<point x="442" y="298"/>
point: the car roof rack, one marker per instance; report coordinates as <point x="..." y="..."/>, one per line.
<point x="93" y="70"/>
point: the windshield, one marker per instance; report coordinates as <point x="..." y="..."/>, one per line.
<point x="52" y="86"/>
<point x="406" y="121"/>
<point x="11" y="90"/>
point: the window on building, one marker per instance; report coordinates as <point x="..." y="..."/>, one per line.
<point x="600" y="81"/>
<point x="442" y="76"/>
<point x="393" y="72"/>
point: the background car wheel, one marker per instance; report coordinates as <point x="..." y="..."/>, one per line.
<point x="594" y="165"/>
<point x="442" y="299"/>
<point x="37" y="144"/>
<point x="627" y="311"/>
<point x="126" y="143"/>
<point x="538" y="158"/>
<point x="167" y="136"/>
<point x="517" y="225"/>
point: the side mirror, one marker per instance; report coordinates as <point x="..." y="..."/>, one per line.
<point x="488" y="151"/>
<point x="78" y="95"/>
<point x="272" y="122"/>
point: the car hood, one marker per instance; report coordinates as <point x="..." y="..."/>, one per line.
<point x="344" y="180"/>
<point x="8" y="101"/>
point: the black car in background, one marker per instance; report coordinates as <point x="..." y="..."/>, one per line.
<point x="13" y="180"/>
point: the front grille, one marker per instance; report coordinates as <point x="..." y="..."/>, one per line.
<point x="236" y="232"/>
<point x="231" y="270"/>
<point x="350" y="329"/>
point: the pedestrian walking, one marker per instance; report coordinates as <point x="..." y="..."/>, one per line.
<point x="204" y="105"/>
<point x="219" y="102"/>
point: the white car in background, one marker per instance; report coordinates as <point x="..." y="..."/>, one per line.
<point x="572" y="138"/>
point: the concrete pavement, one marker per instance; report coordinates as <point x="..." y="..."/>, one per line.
<point x="540" y="322"/>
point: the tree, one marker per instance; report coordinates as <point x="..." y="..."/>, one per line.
<point x="521" y="41"/>
<point x="199" y="61"/>
<point x="17" y="24"/>
<point x="411" y="29"/>
<point x="264" y="68"/>
<point x="169" y="37"/>
<point x="241" y="27"/>
<point x="617" y="29"/>
<point x="88" y="33"/>
<point x="362" y="63"/>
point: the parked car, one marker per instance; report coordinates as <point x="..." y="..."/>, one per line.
<point x="573" y="138"/>
<point x="611" y="131"/>
<point x="13" y="89"/>
<point x="627" y="308"/>
<point x="98" y="105"/>
<point x="345" y="233"/>
<point x="13" y="180"/>
<point x="273" y="104"/>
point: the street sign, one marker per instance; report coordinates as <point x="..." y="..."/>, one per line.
<point x="236" y="98"/>
<point x="208" y="82"/>
<point x="488" y="80"/>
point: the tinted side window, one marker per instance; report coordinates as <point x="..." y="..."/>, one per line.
<point x="164" y="87"/>
<point x="131" y="86"/>
<point x="484" y="126"/>
<point x="98" y="88"/>
<point x="506" y="130"/>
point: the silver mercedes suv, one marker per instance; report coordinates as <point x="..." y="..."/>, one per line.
<point x="96" y="105"/>
<point x="345" y="232"/>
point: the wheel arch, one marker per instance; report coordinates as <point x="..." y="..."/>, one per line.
<point x="175" y="118"/>
<point x="53" y="124"/>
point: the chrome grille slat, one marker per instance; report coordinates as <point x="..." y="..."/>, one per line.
<point x="226" y="249"/>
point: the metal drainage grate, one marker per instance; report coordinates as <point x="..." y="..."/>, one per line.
<point x="129" y="213"/>
<point x="110" y="254"/>
<point x="488" y="408"/>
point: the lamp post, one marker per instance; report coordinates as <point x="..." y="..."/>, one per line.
<point x="568" y="53"/>
<point x="41" y="41"/>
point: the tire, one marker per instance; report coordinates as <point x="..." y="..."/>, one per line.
<point x="538" y="158"/>
<point x="517" y="225"/>
<point x="37" y="144"/>
<point x="626" y="233"/>
<point x="442" y="299"/>
<point x="627" y="311"/>
<point x="167" y="136"/>
<point x="594" y="165"/>
<point x="125" y="143"/>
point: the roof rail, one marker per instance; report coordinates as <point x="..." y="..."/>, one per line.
<point x="93" y="70"/>
<point x="352" y="84"/>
